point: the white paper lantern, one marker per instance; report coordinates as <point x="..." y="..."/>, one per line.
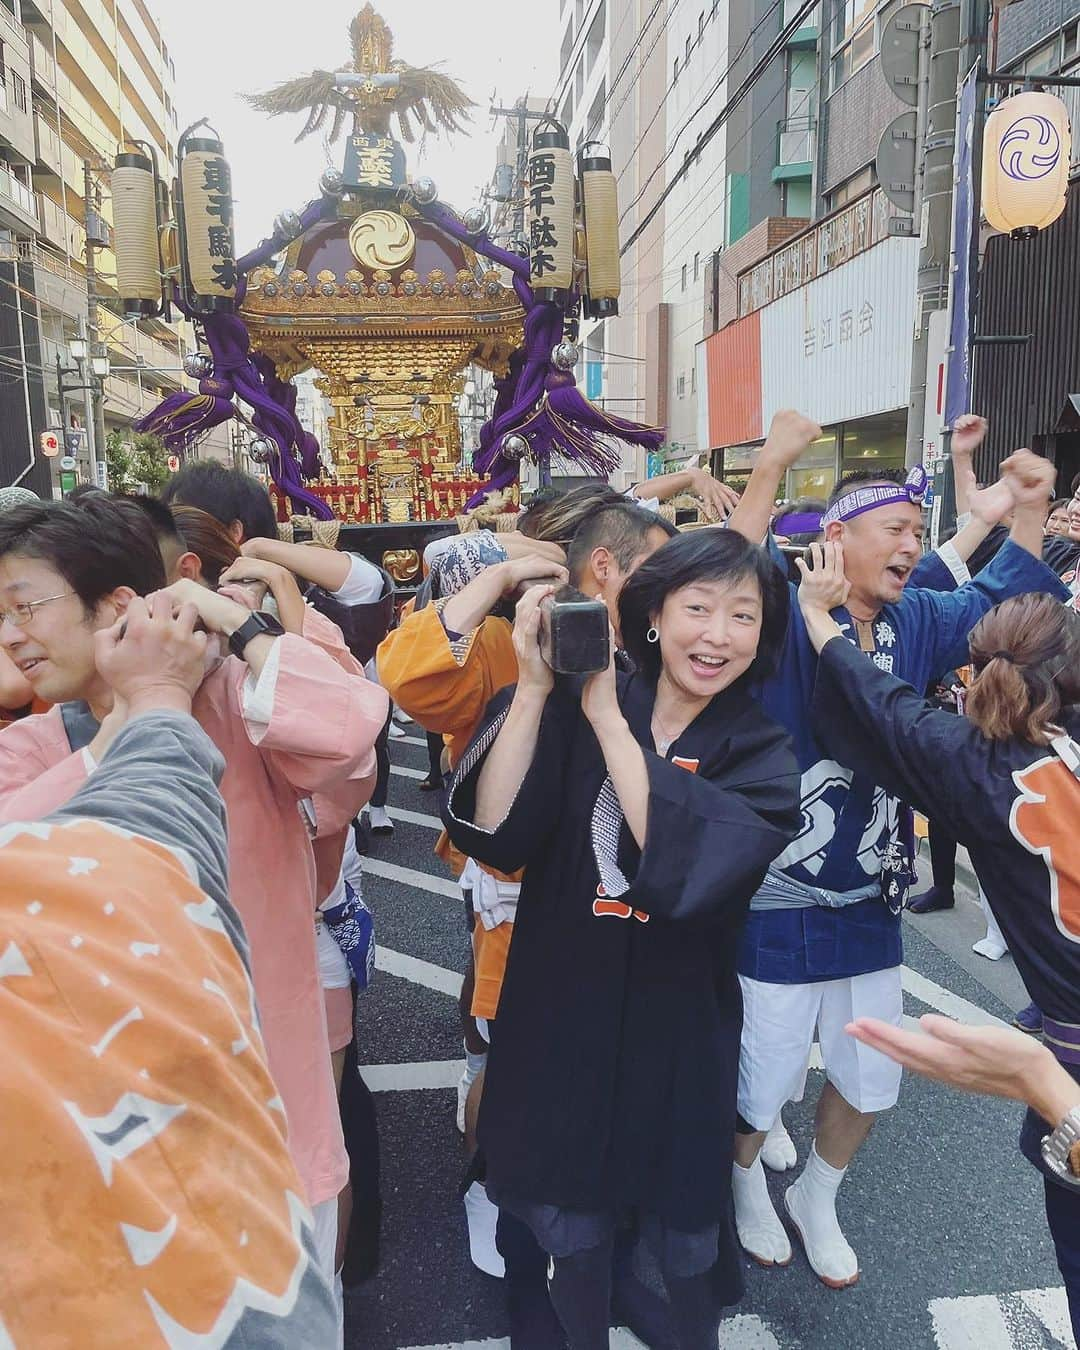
<point x="206" y="188"/>
<point x="135" y="234"/>
<point x="600" y="202"/>
<point x="1026" y="153"/>
<point x="550" y="189"/>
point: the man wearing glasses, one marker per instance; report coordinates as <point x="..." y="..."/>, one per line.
<point x="290" y="721"/>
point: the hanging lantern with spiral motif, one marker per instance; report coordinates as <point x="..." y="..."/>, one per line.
<point x="1026" y="155"/>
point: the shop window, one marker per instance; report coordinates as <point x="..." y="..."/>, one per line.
<point x="875" y="442"/>
<point x="1041" y="61"/>
<point x="815" y="473"/>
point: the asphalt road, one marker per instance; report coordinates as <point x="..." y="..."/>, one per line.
<point x="944" y="1213"/>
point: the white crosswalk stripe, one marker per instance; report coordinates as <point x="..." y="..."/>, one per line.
<point x="742" y="1332"/>
<point x="1032" y="1319"/>
<point x="414" y="818"/>
<point x="409" y="876"/>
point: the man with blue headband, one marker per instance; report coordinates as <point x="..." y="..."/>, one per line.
<point x="822" y="944"/>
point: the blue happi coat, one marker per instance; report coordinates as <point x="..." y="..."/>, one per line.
<point x="846" y="819"/>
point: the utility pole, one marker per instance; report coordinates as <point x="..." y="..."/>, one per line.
<point x="936" y="158"/>
<point x="521" y="114"/>
<point x="96" y="396"/>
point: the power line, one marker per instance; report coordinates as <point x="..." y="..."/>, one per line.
<point x="691" y="206"/>
<point x="721" y="117"/>
<point x="678" y="135"/>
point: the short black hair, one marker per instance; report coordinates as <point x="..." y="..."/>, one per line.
<point x="96" y="544"/>
<point x="622" y="528"/>
<point x="859" y="477"/>
<point x="703" y="555"/>
<point x="226" y="494"/>
<point x="160" y="517"/>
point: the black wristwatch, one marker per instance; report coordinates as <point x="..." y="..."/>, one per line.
<point x="253" y="627"/>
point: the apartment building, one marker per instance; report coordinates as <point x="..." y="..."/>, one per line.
<point x="809" y="305"/>
<point x="77" y="78"/>
<point x="650" y="79"/>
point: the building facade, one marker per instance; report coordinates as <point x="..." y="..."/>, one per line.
<point x="1030" y="389"/>
<point x="77" y="79"/>
<point x="816" y="312"/>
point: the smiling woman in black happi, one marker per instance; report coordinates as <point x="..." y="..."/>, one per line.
<point x="645" y="809"/>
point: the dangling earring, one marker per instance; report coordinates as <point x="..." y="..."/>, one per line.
<point x="653" y="635"/>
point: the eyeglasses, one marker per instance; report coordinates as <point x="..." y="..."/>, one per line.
<point x="20" y="615"/>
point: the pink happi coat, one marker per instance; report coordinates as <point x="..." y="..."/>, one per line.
<point x="308" y="726"/>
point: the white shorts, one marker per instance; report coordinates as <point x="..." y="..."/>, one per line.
<point x="779" y="1022"/>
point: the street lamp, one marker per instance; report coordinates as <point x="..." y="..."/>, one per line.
<point x="79" y="349"/>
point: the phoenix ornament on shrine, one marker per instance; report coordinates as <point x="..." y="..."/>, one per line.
<point x="373" y="88"/>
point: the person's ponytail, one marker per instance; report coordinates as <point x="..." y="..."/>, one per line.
<point x="1026" y="653"/>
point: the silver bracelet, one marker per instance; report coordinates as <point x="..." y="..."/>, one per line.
<point x="1057" y="1146"/>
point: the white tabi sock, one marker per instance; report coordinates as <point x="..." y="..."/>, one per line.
<point x="482" y="1217"/>
<point x="473" y="1066"/>
<point x="811" y="1203"/>
<point x="757" y="1223"/>
<point x="778" y="1151"/>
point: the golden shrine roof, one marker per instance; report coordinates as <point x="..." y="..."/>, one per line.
<point x="379" y="274"/>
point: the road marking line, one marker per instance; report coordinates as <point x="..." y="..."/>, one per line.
<point x="742" y="1332"/>
<point x="944" y="1001"/>
<point x="411" y="740"/>
<point x="415" y="818"/>
<point x="418" y="1077"/>
<point x="409" y="876"/>
<point x="403" y="772"/>
<point x="1002" y="1322"/>
<point x="434" y="977"/>
<point x="1051" y="1307"/>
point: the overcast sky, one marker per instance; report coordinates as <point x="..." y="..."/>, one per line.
<point x="223" y="48"/>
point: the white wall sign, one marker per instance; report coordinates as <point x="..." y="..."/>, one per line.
<point x="840" y="347"/>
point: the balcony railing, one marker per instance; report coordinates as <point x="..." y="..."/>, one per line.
<point x="795" y="141"/>
<point x="49" y="152"/>
<point x="17" y="192"/>
<point x="13" y="31"/>
<point x="42" y="65"/>
<point x="833" y="241"/>
<point x="60" y="229"/>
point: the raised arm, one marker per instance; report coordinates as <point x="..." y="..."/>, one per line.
<point x="1031" y="480"/>
<point x="325" y="567"/>
<point x="789" y="436"/>
<point x="718" y="499"/>
<point x="512" y="753"/>
<point x="868" y="720"/>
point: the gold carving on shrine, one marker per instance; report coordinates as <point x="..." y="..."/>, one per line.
<point x="402" y="563"/>
<point x="382" y="239"/>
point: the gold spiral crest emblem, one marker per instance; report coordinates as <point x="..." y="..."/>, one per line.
<point x="382" y="239"/>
